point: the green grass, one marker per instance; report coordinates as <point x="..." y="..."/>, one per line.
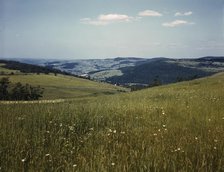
<point x="61" y="86"/>
<point x="178" y="127"/>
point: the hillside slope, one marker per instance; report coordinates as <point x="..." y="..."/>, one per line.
<point x="178" y="127"/>
<point x="60" y="86"/>
<point x="164" y="70"/>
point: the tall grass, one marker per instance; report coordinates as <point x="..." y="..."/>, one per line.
<point x="179" y="127"/>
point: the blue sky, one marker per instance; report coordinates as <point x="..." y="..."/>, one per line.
<point x="75" y="29"/>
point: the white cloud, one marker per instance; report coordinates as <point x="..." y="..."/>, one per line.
<point x="105" y="19"/>
<point x="150" y="13"/>
<point x="183" y="14"/>
<point x="114" y="17"/>
<point x="177" y="23"/>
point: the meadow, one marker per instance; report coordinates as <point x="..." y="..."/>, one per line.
<point x="63" y="87"/>
<point x="178" y="127"/>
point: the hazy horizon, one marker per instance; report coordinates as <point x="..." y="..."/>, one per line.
<point x="70" y="59"/>
<point x="89" y="29"/>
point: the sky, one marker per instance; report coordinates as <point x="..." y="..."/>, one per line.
<point x="80" y="29"/>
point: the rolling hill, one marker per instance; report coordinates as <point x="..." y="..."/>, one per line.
<point x="56" y="85"/>
<point x="137" y="71"/>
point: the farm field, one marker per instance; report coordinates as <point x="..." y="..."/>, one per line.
<point x="177" y="127"/>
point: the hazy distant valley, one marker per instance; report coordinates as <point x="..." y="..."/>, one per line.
<point x="136" y="71"/>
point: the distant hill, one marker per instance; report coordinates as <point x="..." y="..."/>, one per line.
<point x="162" y="70"/>
<point x="29" y="68"/>
<point x="137" y="71"/>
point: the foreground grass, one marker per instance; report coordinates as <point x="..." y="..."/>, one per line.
<point x="179" y="127"/>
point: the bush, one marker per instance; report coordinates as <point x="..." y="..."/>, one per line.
<point x="18" y="91"/>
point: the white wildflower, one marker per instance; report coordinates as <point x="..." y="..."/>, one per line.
<point x="91" y="129"/>
<point x="71" y="128"/>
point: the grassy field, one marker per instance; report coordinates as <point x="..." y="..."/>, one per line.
<point x="178" y="127"/>
<point x="62" y="86"/>
<point x="7" y="71"/>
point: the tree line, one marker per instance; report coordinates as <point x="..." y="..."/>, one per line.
<point x="18" y="91"/>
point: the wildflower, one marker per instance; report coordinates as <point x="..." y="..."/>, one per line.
<point x="178" y="149"/>
<point x="215" y="141"/>
<point x="164" y="126"/>
<point x="91" y="129"/>
<point x="47" y="155"/>
<point x="155" y="134"/>
<point x="114" y="131"/>
<point x="48" y="132"/>
<point x="23" y="160"/>
<point x="165" y="129"/>
<point x="159" y="130"/>
<point x="112" y="163"/>
<point x="74" y="165"/>
<point x="110" y="130"/>
<point x="223" y="118"/>
<point x="196" y="138"/>
<point x="122" y="132"/>
<point x="215" y="148"/>
<point x="71" y="128"/>
<point x="209" y="119"/>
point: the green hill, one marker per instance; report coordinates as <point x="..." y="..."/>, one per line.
<point x="178" y="127"/>
<point x="59" y="86"/>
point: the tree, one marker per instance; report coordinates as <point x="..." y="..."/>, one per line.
<point x="4" y="84"/>
<point x="36" y="92"/>
<point x="18" y="91"/>
<point x="156" y="82"/>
